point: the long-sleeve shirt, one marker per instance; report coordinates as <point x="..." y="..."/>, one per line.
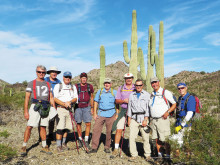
<point x="138" y="108"/>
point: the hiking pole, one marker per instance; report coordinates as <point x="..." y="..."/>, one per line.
<point x="71" y="116"/>
<point x="82" y="138"/>
<point x="123" y="132"/>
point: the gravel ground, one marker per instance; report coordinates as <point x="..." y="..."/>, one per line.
<point x="15" y="124"/>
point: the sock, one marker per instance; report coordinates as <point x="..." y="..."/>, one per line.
<point x="44" y="143"/>
<point x="58" y="143"/>
<point x="80" y="138"/>
<point x="116" y="146"/>
<point x="86" y="138"/>
<point x="64" y="140"/>
<point x="24" y="144"/>
<point x="159" y="154"/>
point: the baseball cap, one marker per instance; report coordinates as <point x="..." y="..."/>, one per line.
<point x="53" y="68"/>
<point x="67" y="73"/>
<point x="83" y="75"/>
<point x="152" y="79"/>
<point x="107" y="80"/>
<point x="128" y="75"/>
<point x="181" y="84"/>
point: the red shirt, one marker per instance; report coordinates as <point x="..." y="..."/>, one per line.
<point x="83" y="96"/>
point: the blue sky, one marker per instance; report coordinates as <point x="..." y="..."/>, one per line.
<point x="68" y="34"/>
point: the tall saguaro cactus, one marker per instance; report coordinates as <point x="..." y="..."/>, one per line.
<point x="102" y="66"/>
<point x="132" y="61"/>
<point x="161" y="53"/>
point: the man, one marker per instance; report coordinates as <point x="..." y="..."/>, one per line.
<point x="41" y="96"/>
<point x="105" y="101"/>
<point x="138" y="113"/>
<point x="64" y="95"/>
<point x="160" y="110"/>
<point x="85" y="108"/>
<point x="185" y="112"/>
<point x="52" y="79"/>
<point x="122" y="98"/>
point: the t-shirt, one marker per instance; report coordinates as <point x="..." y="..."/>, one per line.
<point x="124" y="93"/>
<point x="53" y="83"/>
<point x="42" y="92"/>
<point x="83" y="97"/>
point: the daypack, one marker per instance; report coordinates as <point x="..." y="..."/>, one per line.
<point x="79" y="89"/>
<point x="167" y="102"/>
<point x="43" y="107"/>
<point x="197" y="113"/>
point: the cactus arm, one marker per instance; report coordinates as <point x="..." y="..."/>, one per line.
<point x="141" y="62"/>
<point x="102" y="66"/>
<point x="125" y="52"/>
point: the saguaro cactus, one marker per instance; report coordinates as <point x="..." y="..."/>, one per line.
<point x="161" y="54"/>
<point x="102" y="66"/>
<point x="132" y="61"/>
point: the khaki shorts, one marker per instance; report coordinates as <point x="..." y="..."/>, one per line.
<point x="34" y="118"/>
<point x="160" y="128"/>
<point x="121" y="123"/>
<point x="64" y="119"/>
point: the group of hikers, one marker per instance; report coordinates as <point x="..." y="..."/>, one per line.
<point x="55" y="102"/>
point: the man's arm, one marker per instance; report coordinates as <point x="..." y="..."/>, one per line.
<point x="26" y="101"/>
<point x="92" y="103"/>
<point x="171" y="109"/>
<point x="95" y="110"/>
<point x="52" y="100"/>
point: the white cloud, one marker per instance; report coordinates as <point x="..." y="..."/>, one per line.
<point x="213" y="39"/>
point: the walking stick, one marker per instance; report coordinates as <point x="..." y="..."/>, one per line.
<point x="71" y="115"/>
<point x="123" y="132"/>
<point x="78" y="131"/>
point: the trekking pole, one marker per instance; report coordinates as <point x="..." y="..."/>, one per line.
<point x="71" y="115"/>
<point x="123" y="132"/>
<point x="82" y="138"/>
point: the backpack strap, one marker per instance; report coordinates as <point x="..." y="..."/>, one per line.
<point x="185" y="103"/>
<point x="60" y="87"/>
<point x="165" y="99"/>
<point x="112" y="92"/>
<point x="88" y="89"/>
<point x="34" y="89"/>
<point x="79" y="88"/>
<point x="48" y="84"/>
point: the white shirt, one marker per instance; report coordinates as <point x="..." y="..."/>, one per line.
<point x="157" y="103"/>
<point x="67" y="93"/>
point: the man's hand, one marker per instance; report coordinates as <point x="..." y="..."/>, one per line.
<point x="126" y="100"/>
<point x="67" y="104"/>
<point x="165" y="115"/>
<point x="178" y="128"/>
<point x="26" y="115"/>
<point x="95" y="116"/>
<point x="144" y="123"/>
<point x="92" y="110"/>
<point x="129" y="121"/>
<point x="116" y="116"/>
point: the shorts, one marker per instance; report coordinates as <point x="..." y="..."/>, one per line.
<point x="35" y="120"/>
<point x="160" y="128"/>
<point x="83" y="114"/>
<point x="121" y="123"/>
<point x="64" y="119"/>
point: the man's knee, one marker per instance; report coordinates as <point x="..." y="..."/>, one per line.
<point x="119" y="131"/>
<point x="88" y="124"/>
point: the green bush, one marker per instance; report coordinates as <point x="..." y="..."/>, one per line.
<point x="4" y="134"/>
<point x="6" y="152"/>
<point x="202" y="144"/>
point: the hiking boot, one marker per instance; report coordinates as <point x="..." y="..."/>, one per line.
<point x="107" y="150"/>
<point x="59" y="149"/>
<point x="132" y="159"/>
<point x="87" y="145"/>
<point x="80" y="143"/>
<point x="23" y="151"/>
<point x="115" y="153"/>
<point x="46" y="150"/>
<point x="92" y="151"/>
<point x="149" y="159"/>
<point x="64" y="147"/>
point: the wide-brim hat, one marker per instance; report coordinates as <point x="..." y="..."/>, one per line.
<point x="53" y="68"/>
<point x="128" y="75"/>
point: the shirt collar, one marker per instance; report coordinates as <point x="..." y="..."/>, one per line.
<point x="124" y="87"/>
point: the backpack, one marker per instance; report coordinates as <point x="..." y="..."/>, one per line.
<point x="197" y="113"/>
<point x="168" y="103"/>
<point x="101" y="93"/>
<point x="88" y="89"/>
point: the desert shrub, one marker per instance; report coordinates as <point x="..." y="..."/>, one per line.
<point x="6" y="152"/>
<point x="202" y="72"/>
<point x="201" y="144"/>
<point x="4" y="134"/>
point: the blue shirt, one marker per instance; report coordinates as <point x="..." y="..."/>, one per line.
<point x="106" y="102"/>
<point x="53" y="83"/>
<point x="190" y="106"/>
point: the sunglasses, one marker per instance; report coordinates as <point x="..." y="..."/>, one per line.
<point x="181" y="88"/>
<point x="139" y="85"/>
<point x="68" y="77"/>
<point x="41" y="72"/>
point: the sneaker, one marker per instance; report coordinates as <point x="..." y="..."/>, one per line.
<point x="132" y="159"/>
<point x="107" y="150"/>
<point x="64" y="147"/>
<point x="149" y="159"/>
<point x="46" y="150"/>
<point x="115" y="153"/>
<point x="23" y="151"/>
<point x="59" y="149"/>
<point x="92" y="151"/>
<point x="80" y="143"/>
<point x="87" y="145"/>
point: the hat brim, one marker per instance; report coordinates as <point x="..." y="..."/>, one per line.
<point x="58" y="72"/>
